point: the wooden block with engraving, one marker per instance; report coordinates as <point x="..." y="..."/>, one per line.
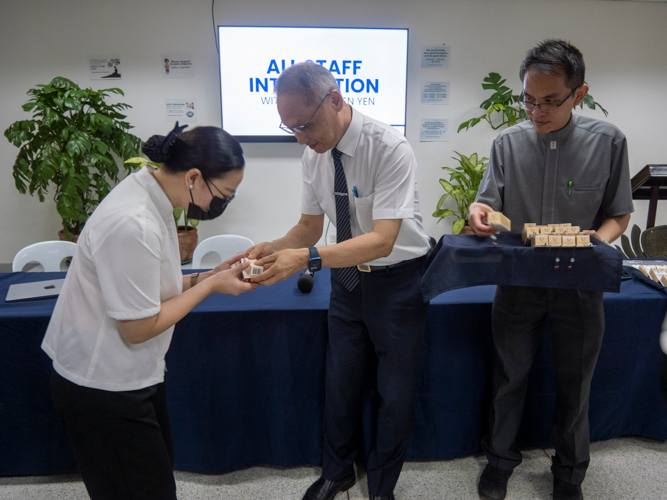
<point x="569" y="240"/>
<point x="499" y="221"/>
<point x="527" y="233"/>
<point x="555" y="240"/>
<point x="539" y="240"/>
<point x="546" y="229"/>
<point x="583" y="240"/>
<point x="572" y="230"/>
<point x="560" y="230"/>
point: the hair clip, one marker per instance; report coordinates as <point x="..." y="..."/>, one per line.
<point x="171" y="137"/>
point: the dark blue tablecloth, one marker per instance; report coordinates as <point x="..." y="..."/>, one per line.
<point x="460" y="261"/>
<point x="245" y="379"/>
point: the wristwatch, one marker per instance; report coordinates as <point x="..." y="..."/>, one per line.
<point x="315" y="261"/>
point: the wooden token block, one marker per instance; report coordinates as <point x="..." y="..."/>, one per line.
<point x="539" y="240"/>
<point x="560" y="230"/>
<point x="572" y="230"/>
<point x="546" y="230"/>
<point x="654" y="275"/>
<point x="527" y="233"/>
<point x="499" y="221"/>
<point x="253" y="270"/>
<point x="555" y="240"/>
<point x="583" y="240"/>
<point x="569" y="240"/>
<point x="529" y="224"/>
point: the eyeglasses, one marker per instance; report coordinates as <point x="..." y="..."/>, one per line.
<point x="302" y="128"/>
<point x="546" y="107"/>
<point x="226" y="200"/>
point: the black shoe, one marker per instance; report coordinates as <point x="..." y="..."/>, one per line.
<point x="567" y="491"/>
<point x="493" y="483"/>
<point x="384" y="497"/>
<point x="323" y="489"/>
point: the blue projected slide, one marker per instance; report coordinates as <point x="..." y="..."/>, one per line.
<point x="369" y="64"/>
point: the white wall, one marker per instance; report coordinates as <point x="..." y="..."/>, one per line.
<point x="623" y="44"/>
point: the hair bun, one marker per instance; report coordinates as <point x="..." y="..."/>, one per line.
<point x="152" y="149"/>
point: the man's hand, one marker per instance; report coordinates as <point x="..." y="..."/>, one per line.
<point x="260" y="250"/>
<point x="280" y="265"/>
<point x="477" y="219"/>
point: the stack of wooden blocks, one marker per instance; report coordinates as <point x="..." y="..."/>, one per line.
<point x="554" y="235"/>
<point x="656" y="273"/>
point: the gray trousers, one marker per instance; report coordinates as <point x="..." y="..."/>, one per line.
<point x="577" y="328"/>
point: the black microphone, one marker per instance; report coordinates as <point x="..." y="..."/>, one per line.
<point x="305" y="282"/>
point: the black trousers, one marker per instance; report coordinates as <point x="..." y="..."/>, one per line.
<point x="577" y="328"/>
<point x="121" y="440"/>
<point x="384" y="316"/>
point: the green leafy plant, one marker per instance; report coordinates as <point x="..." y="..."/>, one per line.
<point x="138" y="162"/>
<point x="72" y="142"/>
<point x="503" y="106"/>
<point x="463" y="185"/>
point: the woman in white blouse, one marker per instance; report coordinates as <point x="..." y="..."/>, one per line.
<point x="115" y="316"/>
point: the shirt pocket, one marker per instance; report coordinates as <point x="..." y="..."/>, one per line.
<point x="364" y="213"/>
<point x="587" y="200"/>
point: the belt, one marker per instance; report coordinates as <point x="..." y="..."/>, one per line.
<point x="365" y="268"/>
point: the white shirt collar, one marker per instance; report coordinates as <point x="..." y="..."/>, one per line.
<point x="348" y="143"/>
<point x="157" y="194"/>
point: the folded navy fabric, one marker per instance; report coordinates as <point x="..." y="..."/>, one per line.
<point x="460" y="261"/>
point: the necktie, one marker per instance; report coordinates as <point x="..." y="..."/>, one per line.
<point x="347" y="275"/>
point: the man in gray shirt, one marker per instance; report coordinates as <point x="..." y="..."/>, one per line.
<point x="555" y="168"/>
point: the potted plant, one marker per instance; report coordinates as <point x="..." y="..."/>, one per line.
<point x="187" y="233"/>
<point x="72" y="144"/>
<point x="463" y="185"/>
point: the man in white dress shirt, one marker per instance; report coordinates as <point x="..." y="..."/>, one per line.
<point x="362" y="175"/>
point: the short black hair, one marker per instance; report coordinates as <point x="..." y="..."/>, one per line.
<point x="556" y="57"/>
<point x="210" y="149"/>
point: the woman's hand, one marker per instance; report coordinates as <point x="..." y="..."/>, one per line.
<point x="230" y="281"/>
<point x="227" y="264"/>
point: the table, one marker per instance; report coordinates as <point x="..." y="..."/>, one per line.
<point x="245" y="379"/>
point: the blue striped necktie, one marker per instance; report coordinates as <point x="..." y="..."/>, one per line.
<point x="346" y="275"/>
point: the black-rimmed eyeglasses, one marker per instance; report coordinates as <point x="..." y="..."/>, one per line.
<point x="226" y="200"/>
<point x="302" y="128"/>
<point x="546" y="107"/>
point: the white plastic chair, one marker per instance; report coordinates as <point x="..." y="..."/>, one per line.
<point x="49" y="254"/>
<point x="225" y="245"/>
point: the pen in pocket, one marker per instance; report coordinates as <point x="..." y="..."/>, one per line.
<point x="355" y="192"/>
<point x="569" y="189"/>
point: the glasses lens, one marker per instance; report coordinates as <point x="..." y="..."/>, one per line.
<point x="286" y="129"/>
<point x="546" y="107"/>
